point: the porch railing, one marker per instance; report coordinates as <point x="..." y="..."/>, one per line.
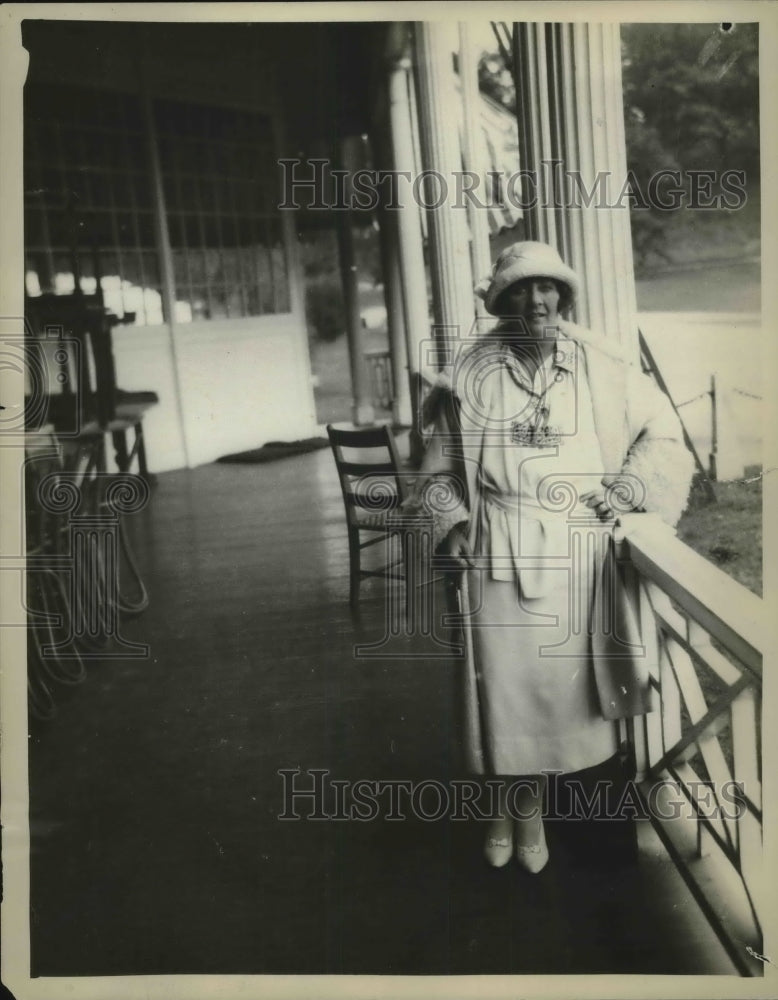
<point x="698" y="754"/>
<point x="381" y="382"/>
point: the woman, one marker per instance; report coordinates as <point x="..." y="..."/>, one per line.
<point x="543" y="434"/>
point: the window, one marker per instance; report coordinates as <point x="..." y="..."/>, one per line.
<point x="88" y="201"/>
<point x="220" y="181"/>
<point x="90" y="213"/>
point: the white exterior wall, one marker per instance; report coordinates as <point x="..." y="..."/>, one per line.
<point x="242" y="382"/>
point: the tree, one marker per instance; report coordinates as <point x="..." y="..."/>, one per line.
<point x="691" y="102"/>
<point x="696" y="86"/>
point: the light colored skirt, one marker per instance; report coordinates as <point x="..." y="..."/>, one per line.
<point x="530" y="699"/>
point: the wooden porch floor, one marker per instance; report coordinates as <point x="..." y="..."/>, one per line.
<point x="156" y="847"/>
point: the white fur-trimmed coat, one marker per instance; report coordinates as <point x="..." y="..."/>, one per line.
<point x="640" y="436"/>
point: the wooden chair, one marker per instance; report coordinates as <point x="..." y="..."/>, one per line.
<point x="372" y="487"/>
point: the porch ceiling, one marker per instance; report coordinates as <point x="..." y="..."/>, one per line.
<point x="327" y="79"/>
<point x="322" y="73"/>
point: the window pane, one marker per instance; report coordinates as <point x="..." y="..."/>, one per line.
<point x="145" y="222"/>
<point x="176" y="230"/>
<point x="181" y="269"/>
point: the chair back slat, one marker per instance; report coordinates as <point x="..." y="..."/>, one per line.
<point x="367" y="468"/>
<point x="375" y="505"/>
<point x="366" y="437"/>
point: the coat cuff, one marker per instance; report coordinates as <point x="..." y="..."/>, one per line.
<point x="664" y="469"/>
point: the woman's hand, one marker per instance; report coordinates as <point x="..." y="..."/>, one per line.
<point x="596" y="500"/>
<point x="612" y="499"/>
<point x="456" y="546"/>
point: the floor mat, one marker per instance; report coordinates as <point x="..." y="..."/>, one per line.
<point x="276" y="449"/>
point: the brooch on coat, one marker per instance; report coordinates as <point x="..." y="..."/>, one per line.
<point x="536" y="432"/>
<point x="531" y="435"/>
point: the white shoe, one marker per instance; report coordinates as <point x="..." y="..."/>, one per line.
<point x="533" y="858"/>
<point x="498" y="848"/>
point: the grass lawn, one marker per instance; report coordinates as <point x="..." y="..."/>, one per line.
<point x="729" y="532"/>
<point x="729" y="288"/>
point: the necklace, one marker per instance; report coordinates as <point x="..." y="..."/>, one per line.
<point x="535" y="431"/>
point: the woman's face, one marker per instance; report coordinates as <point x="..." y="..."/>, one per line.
<point x="536" y="300"/>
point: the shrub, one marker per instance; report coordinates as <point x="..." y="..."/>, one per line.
<point x="324" y="307"/>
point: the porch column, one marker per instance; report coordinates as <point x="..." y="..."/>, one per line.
<point x="393" y="298"/>
<point x="472" y="150"/>
<point x="362" y="411"/>
<point x="449" y="248"/>
<point x="162" y="240"/>
<point x="409" y="236"/>
<point x="571" y="133"/>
